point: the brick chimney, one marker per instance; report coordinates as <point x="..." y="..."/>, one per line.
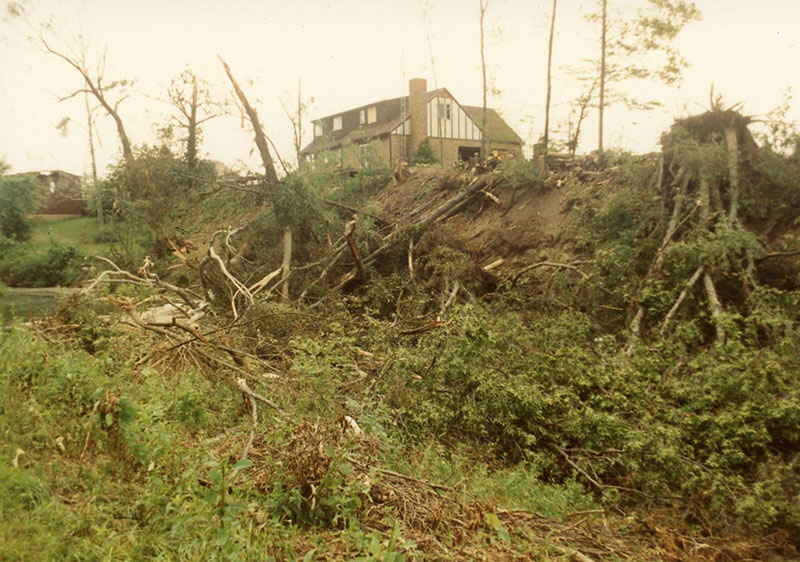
<point x="417" y="109"/>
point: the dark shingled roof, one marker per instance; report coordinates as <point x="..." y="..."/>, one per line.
<point x="496" y="128"/>
<point x="389" y="117"/>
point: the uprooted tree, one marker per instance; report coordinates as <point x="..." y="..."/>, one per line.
<point x="706" y="164"/>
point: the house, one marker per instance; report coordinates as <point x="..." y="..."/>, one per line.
<point x="59" y="192"/>
<point x="379" y="133"/>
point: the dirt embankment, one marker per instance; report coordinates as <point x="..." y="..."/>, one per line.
<point x="518" y="224"/>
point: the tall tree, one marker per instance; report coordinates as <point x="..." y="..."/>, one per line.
<point x="602" y="104"/>
<point x="296" y="117"/>
<point x="549" y="86"/>
<point x="425" y="11"/>
<point x="95" y="184"/>
<point x="95" y="86"/>
<point x="638" y="48"/>
<point x="195" y="103"/>
<point x="482" y="5"/>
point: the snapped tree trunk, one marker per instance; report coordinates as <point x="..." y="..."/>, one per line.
<point x="260" y="137"/>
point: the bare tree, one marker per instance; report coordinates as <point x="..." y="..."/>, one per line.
<point x="602" y="104"/>
<point x="296" y="118"/>
<point x="482" y="5"/>
<point x="435" y="81"/>
<point x="95" y="184"/>
<point x="194" y="101"/>
<point x="94" y="85"/>
<point x="549" y="64"/>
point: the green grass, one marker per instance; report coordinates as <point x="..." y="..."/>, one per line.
<point x="79" y="232"/>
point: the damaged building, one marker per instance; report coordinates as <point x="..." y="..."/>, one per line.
<point x="381" y="132"/>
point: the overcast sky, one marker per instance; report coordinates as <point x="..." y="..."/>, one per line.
<point x="348" y="53"/>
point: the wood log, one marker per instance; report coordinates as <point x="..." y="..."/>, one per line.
<point x="411" y="257"/>
<point x="349" y="229"/>
<point x="714" y="305"/>
<point x="286" y="265"/>
<point x="672" y="311"/>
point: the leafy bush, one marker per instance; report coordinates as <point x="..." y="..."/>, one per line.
<point x="521" y="173"/>
<point x="18" y="198"/>
<point x="425" y="155"/>
<point x="718" y="431"/>
<point x="57" y="266"/>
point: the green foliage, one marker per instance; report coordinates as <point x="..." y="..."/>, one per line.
<point x="720" y="427"/>
<point x="521" y="173"/>
<point x="18" y="198"/>
<point x="640" y="46"/>
<point x="298" y="204"/>
<point x="56" y="266"/>
<point x="154" y="191"/>
<point x="425" y="155"/>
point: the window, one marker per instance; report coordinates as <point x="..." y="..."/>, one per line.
<point x="362" y="117"/>
<point x="364" y="151"/>
<point x="445" y="110"/>
<point x="337" y="122"/>
<point x="372" y="114"/>
<point x="317" y="129"/>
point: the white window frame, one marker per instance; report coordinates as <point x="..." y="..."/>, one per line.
<point x="317" y="129"/>
<point x="337" y="123"/>
<point x="364" y="153"/>
<point x="362" y="116"/>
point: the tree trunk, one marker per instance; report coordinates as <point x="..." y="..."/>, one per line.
<point x="601" y="106"/>
<point x="98" y="196"/>
<point x="191" y="142"/>
<point x="549" y="64"/>
<point x="97" y="91"/>
<point x="298" y="137"/>
<point x="483" y="4"/>
<point x="733" y="171"/>
<point x="261" y="139"/>
<point x="287" y="261"/>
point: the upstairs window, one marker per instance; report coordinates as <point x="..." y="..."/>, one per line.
<point x="337" y="122"/>
<point x="372" y="114"/>
<point x="445" y="110"/>
<point x="317" y="129"/>
<point x="362" y="117"/>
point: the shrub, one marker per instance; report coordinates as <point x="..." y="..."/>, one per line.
<point x="55" y="267"/>
<point x="425" y="155"/>
<point x="18" y="197"/>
